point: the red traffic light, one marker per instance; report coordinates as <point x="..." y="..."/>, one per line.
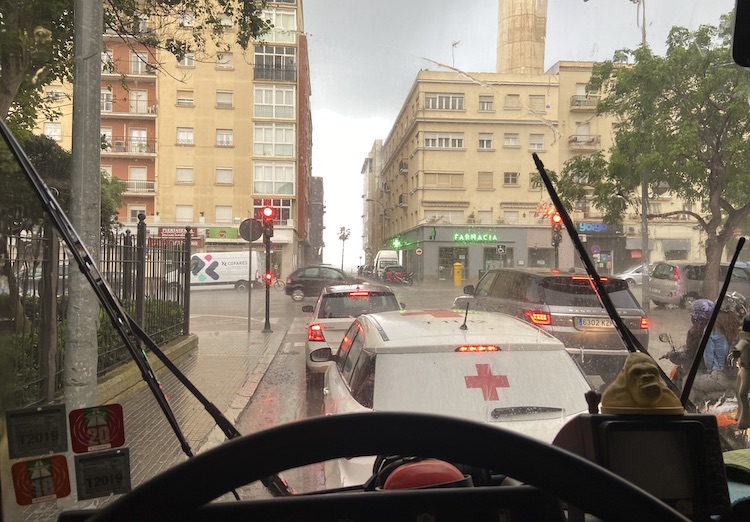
<point x="556" y="219"/>
<point x="267" y="212"/>
<point x="269" y="277"/>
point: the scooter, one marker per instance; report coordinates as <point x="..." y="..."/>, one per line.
<point x="679" y="372"/>
<point x="406" y="280"/>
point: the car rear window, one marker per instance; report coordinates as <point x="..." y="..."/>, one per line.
<point x="558" y="291"/>
<point x="354" y="304"/>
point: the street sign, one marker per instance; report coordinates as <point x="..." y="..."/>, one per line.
<point x="251" y="229"/>
<point x="36" y="431"/>
<point x="418" y="251"/>
<point x="595" y="249"/>
<point x="500" y="249"/>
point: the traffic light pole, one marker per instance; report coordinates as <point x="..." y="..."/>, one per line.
<point x="267" y="325"/>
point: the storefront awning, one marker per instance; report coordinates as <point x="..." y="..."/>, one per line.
<point x="635" y="243"/>
<point x="675" y="244"/>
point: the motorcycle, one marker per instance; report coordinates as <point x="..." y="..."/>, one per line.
<point x="405" y="280"/>
<point x="681" y="368"/>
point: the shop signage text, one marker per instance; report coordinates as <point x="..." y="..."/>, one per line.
<point x="474" y="237"/>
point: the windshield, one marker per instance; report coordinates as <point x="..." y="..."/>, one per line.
<point x="219" y="183"/>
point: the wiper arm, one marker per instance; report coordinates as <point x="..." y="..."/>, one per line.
<point x="630" y="341"/>
<point x="131" y="333"/>
<point x="525" y="411"/>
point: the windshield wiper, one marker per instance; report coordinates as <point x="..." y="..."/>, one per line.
<point x="526" y="411"/>
<point x="628" y="339"/>
<point x="129" y="330"/>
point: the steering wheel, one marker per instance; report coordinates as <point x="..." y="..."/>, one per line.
<point x="179" y="491"/>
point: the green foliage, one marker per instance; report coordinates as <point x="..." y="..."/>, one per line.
<point x="683" y="122"/>
<point x="36" y="40"/>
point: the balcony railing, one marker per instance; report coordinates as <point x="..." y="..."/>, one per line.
<point x="583" y="102"/>
<point x="284" y="74"/>
<point x="131" y="145"/>
<point x="584" y="141"/>
<point x="141" y="187"/>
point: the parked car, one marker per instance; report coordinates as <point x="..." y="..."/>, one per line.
<point x="481" y="366"/>
<point x="309" y="281"/>
<point x="566" y="306"/>
<point x="633" y="275"/>
<point x="336" y="308"/>
<point x="680" y="282"/>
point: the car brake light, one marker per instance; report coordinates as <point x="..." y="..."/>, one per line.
<point x="645" y="323"/>
<point x="587" y="278"/>
<point x="358" y="294"/>
<point x="478" y="348"/>
<point x="315" y="333"/>
<point x="677" y="275"/>
<point x="538" y="317"/>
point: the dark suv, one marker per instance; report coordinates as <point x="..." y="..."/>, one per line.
<point x="310" y="280"/>
<point x="566" y="306"/>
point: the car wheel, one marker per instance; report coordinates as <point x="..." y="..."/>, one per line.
<point x="298" y="294"/>
<point x="631" y="282"/>
<point x="242" y="286"/>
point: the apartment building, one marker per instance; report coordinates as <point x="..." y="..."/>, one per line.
<point x="458" y="183"/>
<point x="206" y="141"/>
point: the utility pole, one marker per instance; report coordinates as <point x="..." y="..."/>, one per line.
<point x="81" y="353"/>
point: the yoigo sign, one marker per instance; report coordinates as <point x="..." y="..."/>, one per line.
<point x="594" y="228"/>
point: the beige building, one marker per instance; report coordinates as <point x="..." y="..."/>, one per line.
<point x="207" y="141"/>
<point x="458" y="183"/>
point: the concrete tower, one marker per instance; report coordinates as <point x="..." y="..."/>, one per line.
<point x="521" y="33"/>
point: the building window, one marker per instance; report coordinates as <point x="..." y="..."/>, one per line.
<point x="275" y="62"/>
<point x="284" y="25"/>
<point x="185" y="98"/>
<point x="485" y="181"/>
<point x="185" y="136"/>
<point x="274" y="139"/>
<point x="224" y="176"/>
<point x="186" y="19"/>
<point x="485" y="103"/>
<point x="226" y="20"/>
<point x="274" y="101"/>
<point x="510" y="178"/>
<point x="510" y="217"/>
<point x="444" y="216"/>
<point x="223" y="213"/>
<point x="134" y="210"/>
<point x="443" y="180"/>
<point x="107" y="171"/>
<point x="138" y="101"/>
<point x="511" y="140"/>
<point x="225" y="61"/>
<point x="485" y="140"/>
<point x="53" y="130"/>
<point x="537" y="103"/>
<point x="224" y="99"/>
<point x="441" y="101"/>
<point x="138" y="62"/>
<point x="224" y="138"/>
<point x="444" y="140"/>
<point x="536" y="141"/>
<point x="106" y="100"/>
<point x="274" y="177"/>
<point x="512" y="101"/>
<point x="183" y="213"/>
<point x="137" y="180"/>
<point x="188" y="60"/>
<point x="184" y="175"/>
<point x="108" y="62"/>
<point x="484" y="216"/>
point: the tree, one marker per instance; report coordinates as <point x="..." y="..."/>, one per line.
<point x="683" y="123"/>
<point x="36" y="40"/>
<point x="343" y="236"/>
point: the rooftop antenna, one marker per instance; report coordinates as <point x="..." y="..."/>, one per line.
<point x="466" y="316"/>
<point x="454" y="44"/>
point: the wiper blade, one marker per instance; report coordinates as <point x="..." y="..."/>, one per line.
<point x="518" y="412"/>
<point x="630" y="341"/>
<point x="134" y="337"/>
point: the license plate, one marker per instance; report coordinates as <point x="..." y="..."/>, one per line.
<point x="596" y="322"/>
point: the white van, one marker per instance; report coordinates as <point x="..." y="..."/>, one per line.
<point x="224" y="270"/>
<point x="383" y="259"/>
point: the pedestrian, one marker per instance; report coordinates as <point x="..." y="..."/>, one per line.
<point x="700" y="313"/>
<point x="725" y="333"/>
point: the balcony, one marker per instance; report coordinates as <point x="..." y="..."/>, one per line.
<point x="283" y="74"/>
<point x="139" y="187"/>
<point x="133" y="109"/>
<point x="129" y="146"/>
<point x="583" y="102"/>
<point x="584" y="142"/>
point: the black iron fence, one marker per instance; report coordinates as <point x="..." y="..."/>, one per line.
<point x="146" y="275"/>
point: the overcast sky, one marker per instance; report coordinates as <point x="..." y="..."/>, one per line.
<point x="365" y="54"/>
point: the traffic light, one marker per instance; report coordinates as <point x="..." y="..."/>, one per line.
<point x="269" y="278"/>
<point x="268" y="217"/>
<point x="556" y="222"/>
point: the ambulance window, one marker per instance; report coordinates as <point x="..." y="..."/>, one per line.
<point x="351" y="359"/>
<point x="363" y="379"/>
